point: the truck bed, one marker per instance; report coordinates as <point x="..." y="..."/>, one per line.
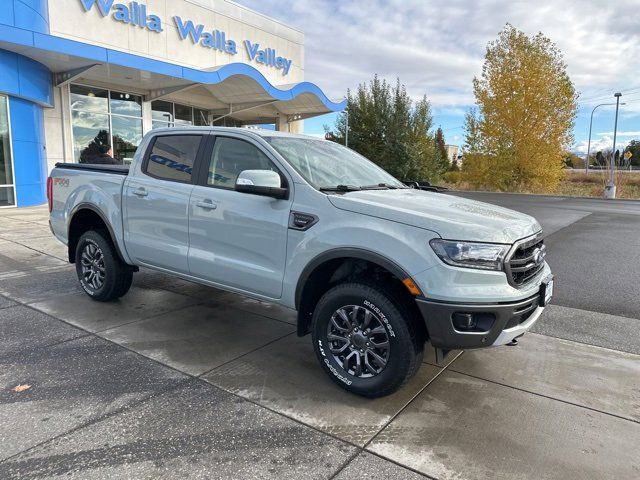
<point x="87" y="167"/>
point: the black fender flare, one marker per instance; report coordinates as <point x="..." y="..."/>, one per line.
<point x="346" y="252"/>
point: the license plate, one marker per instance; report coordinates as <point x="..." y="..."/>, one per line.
<point x="548" y="292"/>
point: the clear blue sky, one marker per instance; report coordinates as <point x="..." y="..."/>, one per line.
<point x="436" y="48"/>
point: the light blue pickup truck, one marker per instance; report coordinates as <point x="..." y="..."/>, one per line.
<point x="374" y="269"/>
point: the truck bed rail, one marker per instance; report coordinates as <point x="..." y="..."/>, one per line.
<point x="117" y="169"/>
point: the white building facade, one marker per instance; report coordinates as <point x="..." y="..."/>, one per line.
<point x="76" y="74"/>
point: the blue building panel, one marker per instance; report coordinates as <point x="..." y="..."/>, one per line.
<point x="6" y="13"/>
<point x="9" y="77"/>
<point x="29" y="155"/>
<point x="35" y="81"/>
<point x="32" y="15"/>
<point x="25" y="78"/>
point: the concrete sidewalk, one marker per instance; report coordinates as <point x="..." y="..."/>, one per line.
<point x="176" y="380"/>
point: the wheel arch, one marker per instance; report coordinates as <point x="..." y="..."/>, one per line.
<point x="85" y="217"/>
<point x="326" y="269"/>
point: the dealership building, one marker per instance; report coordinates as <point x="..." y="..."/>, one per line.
<point x="77" y="74"/>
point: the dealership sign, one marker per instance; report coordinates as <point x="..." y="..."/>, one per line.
<point x="137" y="15"/>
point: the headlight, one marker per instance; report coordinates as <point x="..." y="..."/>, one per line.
<point x="485" y="256"/>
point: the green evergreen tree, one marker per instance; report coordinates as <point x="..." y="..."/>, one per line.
<point x="391" y="130"/>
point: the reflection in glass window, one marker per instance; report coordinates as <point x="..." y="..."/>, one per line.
<point x="102" y="117"/>
<point x="173" y="156"/>
<point x="89" y="99"/>
<point x="168" y="114"/>
<point x="156" y="124"/>
<point x="184" y="115"/>
<point x="90" y="131"/>
<point x="200" y="117"/>
<point x="162" y="112"/>
<point x="6" y="173"/>
<point x="127" y="135"/>
<point x="126" y="104"/>
<point x="231" y="156"/>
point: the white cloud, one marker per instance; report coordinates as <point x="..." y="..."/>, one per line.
<point x="621" y="134"/>
<point x="598" y="144"/>
<point x="436" y="48"/>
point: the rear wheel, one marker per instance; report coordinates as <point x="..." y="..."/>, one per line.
<point x="103" y="276"/>
<point x="365" y="339"/>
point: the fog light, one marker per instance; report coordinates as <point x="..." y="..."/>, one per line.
<point x="464" y="321"/>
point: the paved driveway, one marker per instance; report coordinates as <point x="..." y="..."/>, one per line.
<point x="181" y="381"/>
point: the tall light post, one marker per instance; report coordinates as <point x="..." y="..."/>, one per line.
<point x="610" y="189"/>
<point x="586" y="162"/>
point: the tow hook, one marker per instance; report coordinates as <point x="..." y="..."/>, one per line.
<point x="514" y="342"/>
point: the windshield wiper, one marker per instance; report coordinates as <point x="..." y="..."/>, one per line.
<point x="380" y="186"/>
<point x="340" y="188"/>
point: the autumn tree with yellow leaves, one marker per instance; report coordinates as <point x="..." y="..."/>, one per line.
<point x="526" y="108"/>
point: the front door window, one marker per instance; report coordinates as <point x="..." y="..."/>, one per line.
<point x="7" y="191"/>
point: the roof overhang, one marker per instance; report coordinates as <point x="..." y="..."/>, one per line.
<point x="237" y="89"/>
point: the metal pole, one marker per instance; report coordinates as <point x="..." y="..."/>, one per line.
<point x="590" y="127"/>
<point x="586" y="161"/>
<point x="610" y="190"/>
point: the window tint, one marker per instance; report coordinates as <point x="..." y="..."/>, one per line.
<point x="231" y="156"/>
<point x="172" y="157"/>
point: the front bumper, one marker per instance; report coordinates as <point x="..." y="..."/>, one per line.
<point x="499" y="323"/>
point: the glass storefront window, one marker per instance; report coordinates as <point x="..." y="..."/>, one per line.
<point x="184" y="115"/>
<point x="200" y="117"/>
<point x="126" y="104"/>
<point x="168" y="114"/>
<point x="7" y="193"/>
<point x="156" y="124"/>
<point x="89" y="99"/>
<point x="90" y="130"/>
<point x="102" y="117"/>
<point x="162" y="114"/>
<point x="127" y="135"/>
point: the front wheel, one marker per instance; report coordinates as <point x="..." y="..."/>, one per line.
<point x="365" y="339"/>
<point x="103" y="276"/>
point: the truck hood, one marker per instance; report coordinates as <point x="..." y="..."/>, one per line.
<point x="449" y="216"/>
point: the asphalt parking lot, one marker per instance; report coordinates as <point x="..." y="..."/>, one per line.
<point x="181" y="381"/>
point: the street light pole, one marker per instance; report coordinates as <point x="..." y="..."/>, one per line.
<point x="610" y="189"/>
<point x="586" y="162"/>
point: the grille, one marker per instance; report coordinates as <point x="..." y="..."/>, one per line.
<point x="525" y="260"/>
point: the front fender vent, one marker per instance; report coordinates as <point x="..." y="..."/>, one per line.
<point x="302" y="221"/>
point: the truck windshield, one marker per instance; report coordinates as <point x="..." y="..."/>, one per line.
<point x="329" y="166"/>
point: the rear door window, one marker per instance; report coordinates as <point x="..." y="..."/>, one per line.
<point x="172" y="157"/>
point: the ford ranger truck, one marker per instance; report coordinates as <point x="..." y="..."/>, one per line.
<point x="373" y="268"/>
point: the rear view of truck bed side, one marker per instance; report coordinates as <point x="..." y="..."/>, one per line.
<point x="89" y="194"/>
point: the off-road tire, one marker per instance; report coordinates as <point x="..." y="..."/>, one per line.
<point x="117" y="275"/>
<point x="406" y="348"/>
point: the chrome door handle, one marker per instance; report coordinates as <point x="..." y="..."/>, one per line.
<point x="207" y="205"/>
<point x="141" y="192"/>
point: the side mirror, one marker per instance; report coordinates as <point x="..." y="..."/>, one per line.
<point x="261" y="182"/>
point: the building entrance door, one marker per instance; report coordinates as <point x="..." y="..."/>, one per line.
<point x="7" y="187"/>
